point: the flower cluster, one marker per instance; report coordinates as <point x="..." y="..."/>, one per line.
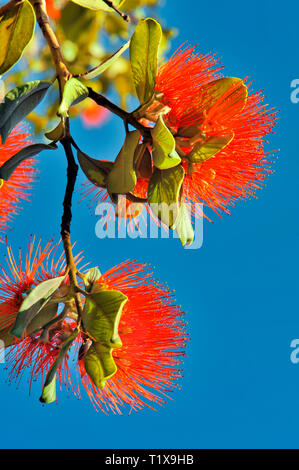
<point x="151" y="329"/>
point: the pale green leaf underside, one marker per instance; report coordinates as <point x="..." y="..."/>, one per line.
<point x="95" y="170"/>
<point x="96" y="71"/>
<point x="122" y="179"/>
<point x="202" y="152"/>
<point x="164" y="154"/>
<point x="49" y="389"/>
<point x="33" y="303"/>
<point x="99" y="364"/>
<point x="227" y="92"/>
<point x="101" y="315"/>
<point x="183" y="225"/>
<point x="74" y="92"/>
<point x="163" y="194"/>
<point x="144" y="48"/>
<point x="97" y="4"/>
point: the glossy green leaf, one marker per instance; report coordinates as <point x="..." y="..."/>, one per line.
<point x="7" y="338"/>
<point x="144" y="48"/>
<point x="202" y="152"/>
<point x="74" y="92"/>
<point x="33" y="303"/>
<point x="49" y="389"/>
<point x="46" y="314"/>
<point x="229" y="93"/>
<point x="163" y="194"/>
<point x="183" y="225"/>
<point x="122" y="178"/>
<point x="96" y="71"/>
<point x="99" y="364"/>
<point x="97" y="4"/>
<point x="101" y="315"/>
<point x="164" y="154"/>
<point x="143" y="161"/>
<point x="91" y="277"/>
<point x="16" y="31"/>
<point x="10" y="165"/>
<point x="57" y="133"/>
<point x="95" y="170"/>
<point x="19" y="102"/>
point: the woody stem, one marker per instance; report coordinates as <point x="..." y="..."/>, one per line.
<point x="72" y="171"/>
<point x="43" y="20"/>
<point x="127" y="117"/>
<point x="111" y="5"/>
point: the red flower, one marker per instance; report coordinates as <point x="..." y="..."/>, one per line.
<point x="152" y="331"/>
<point x="94" y="115"/>
<point x="187" y="83"/>
<point x="52" y="9"/>
<point x="195" y="108"/>
<point x="20" y="276"/>
<point x="15" y="189"/>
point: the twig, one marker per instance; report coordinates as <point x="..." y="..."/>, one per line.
<point x="123" y="15"/>
<point x="127" y="117"/>
<point x="43" y="20"/>
<point x="72" y="171"/>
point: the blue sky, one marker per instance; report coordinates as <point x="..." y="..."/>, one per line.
<point x="240" y="389"/>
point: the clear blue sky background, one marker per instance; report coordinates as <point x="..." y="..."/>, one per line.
<point x="239" y="290"/>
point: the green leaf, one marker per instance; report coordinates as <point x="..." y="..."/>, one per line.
<point x="144" y="48"/>
<point x="164" y="154"/>
<point x="230" y="93"/>
<point x="183" y="225"/>
<point x="163" y="194"/>
<point x="202" y="152"/>
<point x="16" y="31"/>
<point x="19" y="102"/>
<point x="96" y="4"/>
<point x="101" y="315"/>
<point x="74" y="92"/>
<point x="33" y="303"/>
<point x="122" y="179"/>
<point x="49" y="389"/>
<point x="95" y="170"/>
<point x="43" y="317"/>
<point x="143" y="161"/>
<point x="10" y="165"/>
<point x="99" y="69"/>
<point x="57" y="133"/>
<point x="91" y="277"/>
<point x="99" y="364"/>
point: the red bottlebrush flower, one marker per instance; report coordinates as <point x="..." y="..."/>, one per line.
<point x="194" y="112"/>
<point x="52" y="9"/>
<point x="94" y="115"/>
<point x="16" y="188"/>
<point x="152" y="331"/>
<point x="19" y="276"/>
<point x="186" y="83"/>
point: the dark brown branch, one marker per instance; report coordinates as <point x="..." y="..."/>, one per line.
<point x="127" y="117"/>
<point x="72" y="171"/>
<point x="110" y="4"/>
